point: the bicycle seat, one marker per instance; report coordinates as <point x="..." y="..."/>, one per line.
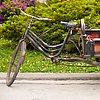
<point x="70" y="25"/>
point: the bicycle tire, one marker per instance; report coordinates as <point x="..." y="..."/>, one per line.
<point x="20" y="53"/>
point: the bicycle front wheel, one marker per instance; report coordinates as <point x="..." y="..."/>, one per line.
<point x="16" y="61"/>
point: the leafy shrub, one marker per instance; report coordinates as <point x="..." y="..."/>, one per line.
<point x="10" y="8"/>
<point x="72" y="11"/>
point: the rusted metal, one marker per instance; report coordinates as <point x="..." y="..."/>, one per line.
<point x="90" y="41"/>
<point x="44" y="33"/>
<point x="78" y="60"/>
<point x="76" y="47"/>
<point x="23" y="52"/>
<point x="91" y="47"/>
<point x="58" y="61"/>
<point x="95" y="44"/>
<point x="14" y="55"/>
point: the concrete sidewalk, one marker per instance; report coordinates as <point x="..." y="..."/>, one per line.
<point x="42" y="91"/>
<point x="52" y="86"/>
<point x="54" y="76"/>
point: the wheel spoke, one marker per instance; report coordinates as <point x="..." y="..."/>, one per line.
<point x="15" y="64"/>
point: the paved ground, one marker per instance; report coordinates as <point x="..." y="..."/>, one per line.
<point x="45" y="87"/>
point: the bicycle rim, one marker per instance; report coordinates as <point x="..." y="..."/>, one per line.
<point x="15" y="63"/>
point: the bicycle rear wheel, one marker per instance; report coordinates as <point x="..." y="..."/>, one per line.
<point x="16" y="61"/>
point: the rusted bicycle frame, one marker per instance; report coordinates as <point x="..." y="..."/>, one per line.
<point x="90" y="43"/>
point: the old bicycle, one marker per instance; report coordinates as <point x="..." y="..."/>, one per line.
<point x="90" y="49"/>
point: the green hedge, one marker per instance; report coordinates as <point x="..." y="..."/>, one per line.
<point x="72" y="11"/>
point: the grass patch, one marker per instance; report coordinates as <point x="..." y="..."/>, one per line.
<point x="34" y="62"/>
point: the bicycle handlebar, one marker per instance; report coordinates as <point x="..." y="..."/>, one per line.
<point x="35" y="17"/>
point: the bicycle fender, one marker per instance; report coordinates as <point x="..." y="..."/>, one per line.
<point x="23" y="52"/>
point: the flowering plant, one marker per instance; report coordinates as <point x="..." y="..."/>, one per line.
<point x="10" y="8"/>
